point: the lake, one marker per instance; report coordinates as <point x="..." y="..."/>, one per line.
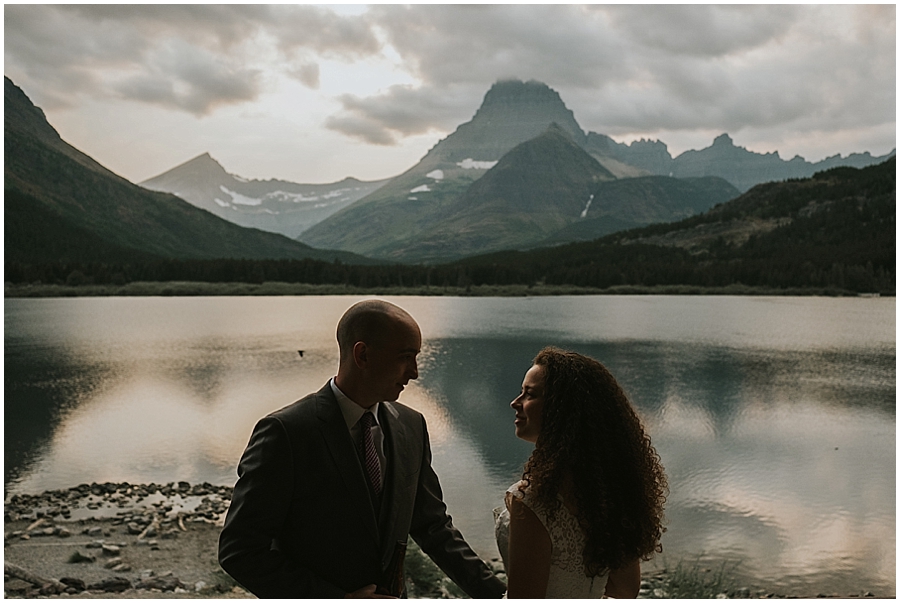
<point x="775" y="417"/>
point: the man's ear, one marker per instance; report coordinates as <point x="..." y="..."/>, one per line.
<point x="360" y="354"/>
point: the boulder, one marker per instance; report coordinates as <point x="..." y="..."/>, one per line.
<point x="76" y="583"/>
<point x="111" y="585"/>
<point x="163" y="583"/>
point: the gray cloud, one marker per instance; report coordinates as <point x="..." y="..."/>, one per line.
<point x="458" y="52"/>
<point x="181" y="77"/>
<point x="804" y="78"/>
<point x="322" y="31"/>
<point x="701" y="30"/>
<point x="188" y="57"/>
<point x="623" y="69"/>
<point x="362" y="128"/>
<point x="402" y="111"/>
<point x="466" y="44"/>
<point x="307" y="74"/>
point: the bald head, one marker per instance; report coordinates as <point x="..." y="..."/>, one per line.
<point x="372" y="321"/>
<point x="379" y="343"/>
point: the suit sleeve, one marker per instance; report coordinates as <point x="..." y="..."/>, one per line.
<point x="259" y="507"/>
<point x="433" y="529"/>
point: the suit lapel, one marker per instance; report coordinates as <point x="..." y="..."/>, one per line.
<point x="343" y="454"/>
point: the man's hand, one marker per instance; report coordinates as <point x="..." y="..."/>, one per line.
<point x="367" y="592"/>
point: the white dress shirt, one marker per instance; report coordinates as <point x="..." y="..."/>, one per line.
<point x="353" y="412"/>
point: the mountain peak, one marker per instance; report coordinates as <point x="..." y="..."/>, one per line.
<point x="23" y="118"/>
<point x="204" y="159"/>
<point x="202" y="166"/>
<point x="518" y="91"/>
<point x="723" y="140"/>
<point x="21" y="114"/>
<point x="555" y="128"/>
<point x="550" y="169"/>
<point x="554" y="147"/>
<point x="512" y="112"/>
<point x="530" y="103"/>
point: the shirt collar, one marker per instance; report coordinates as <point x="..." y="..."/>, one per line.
<point x="351" y="411"/>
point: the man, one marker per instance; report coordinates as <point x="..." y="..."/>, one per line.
<point x="326" y="493"/>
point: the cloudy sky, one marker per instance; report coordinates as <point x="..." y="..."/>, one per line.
<point x="314" y="93"/>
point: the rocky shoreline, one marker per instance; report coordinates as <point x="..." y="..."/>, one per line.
<point x="120" y="540"/>
<point x="128" y="540"/>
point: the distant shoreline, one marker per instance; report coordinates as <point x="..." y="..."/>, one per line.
<point x="201" y="289"/>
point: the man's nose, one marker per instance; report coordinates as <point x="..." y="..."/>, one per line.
<point x="415" y="370"/>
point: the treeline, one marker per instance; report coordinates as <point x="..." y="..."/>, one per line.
<point x="313" y="272"/>
<point x="838" y="232"/>
<point x="649" y="265"/>
<point x="609" y="266"/>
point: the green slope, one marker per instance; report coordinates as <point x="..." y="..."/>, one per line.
<point x="100" y="212"/>
<point x="834" y="230"/>
<point x="634" y="202"/>
<point x="32" y="232"/>
<point x="537" y="188"/>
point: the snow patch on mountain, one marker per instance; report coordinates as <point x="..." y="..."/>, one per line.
<point x="221" y="203"/>
<point x="421" y="189"/>
<point x="336" y="193"/>
<point x="587" y="206"/>
<point x="469" y="163"/>
<point x="435" y="175"/>
<point x="240" y="199"/>
<point x="285" y="197"/>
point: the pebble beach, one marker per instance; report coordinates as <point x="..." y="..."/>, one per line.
<point x="120" y="540"/>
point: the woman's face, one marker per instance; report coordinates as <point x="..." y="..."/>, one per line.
<point x="529" y="405"/>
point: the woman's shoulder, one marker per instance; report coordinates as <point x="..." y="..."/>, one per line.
<point x="517" y="489"/>
<point x="520" y="494"/>
<point x="521" y="491"/>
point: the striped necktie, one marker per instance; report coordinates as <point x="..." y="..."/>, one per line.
<point x="368" y="453"/>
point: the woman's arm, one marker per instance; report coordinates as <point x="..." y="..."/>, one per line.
<point x="625" y="582"/>
<point x="529" y="553"/>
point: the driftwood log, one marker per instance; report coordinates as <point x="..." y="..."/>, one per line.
<point x="154" y="525"/>
<point x="21" y="573"/>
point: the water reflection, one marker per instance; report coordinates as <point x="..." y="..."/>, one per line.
<point x="781" y="460"/>
<point x="40" y="387"/>
<point x="475" y="380"/>
<point x="781" y="456"/>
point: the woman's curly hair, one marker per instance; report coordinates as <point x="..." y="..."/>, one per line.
<point x="593" y="444"/>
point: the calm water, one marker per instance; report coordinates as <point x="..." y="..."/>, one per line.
<point x="775" y="417"/>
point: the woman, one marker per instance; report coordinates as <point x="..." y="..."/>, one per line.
<point x="589" y="506"/>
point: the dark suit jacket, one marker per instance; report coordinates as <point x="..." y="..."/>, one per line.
<point x="302" y="522"/>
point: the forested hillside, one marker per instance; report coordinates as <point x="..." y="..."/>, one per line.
<point x="835" y="231"/>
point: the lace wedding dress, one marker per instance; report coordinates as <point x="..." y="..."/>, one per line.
<point x="567" y="577"/>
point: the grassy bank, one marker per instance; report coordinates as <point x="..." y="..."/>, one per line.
<point x="194" y="289"/>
